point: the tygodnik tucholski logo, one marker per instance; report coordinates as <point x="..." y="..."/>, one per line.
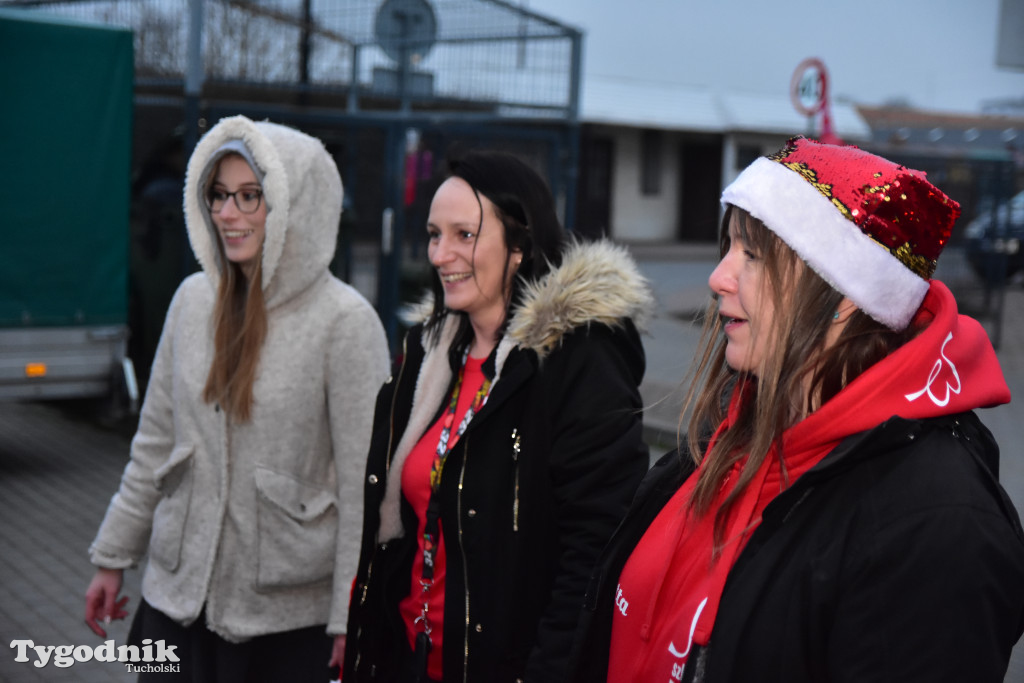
<point x="151" y="657"/>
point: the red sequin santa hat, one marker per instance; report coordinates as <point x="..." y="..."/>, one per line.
<point x="871" y="228"/>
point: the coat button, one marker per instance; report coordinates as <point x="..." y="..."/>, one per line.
<point x="472" y="512"/>
<point x="388" y="380"/>
<point x="372" y="479"/>
<point x="479" y="628"/>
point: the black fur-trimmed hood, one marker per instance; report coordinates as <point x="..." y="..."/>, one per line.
<point x="598" y="282"/>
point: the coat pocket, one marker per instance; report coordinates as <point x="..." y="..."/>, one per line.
<point x="174" y="481"/>
<point x="297" y="531"/>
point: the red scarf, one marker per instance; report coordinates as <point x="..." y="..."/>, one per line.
<point x="670" y="587"/>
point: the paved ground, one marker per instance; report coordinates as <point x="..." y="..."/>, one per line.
<point x="57" y="473"/>
<point x="58" y="469"/>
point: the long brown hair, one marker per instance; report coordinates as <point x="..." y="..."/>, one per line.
<point x="240" y="328"/>
<point x="798" y="376"/>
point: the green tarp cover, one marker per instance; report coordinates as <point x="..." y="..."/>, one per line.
<point x="65" y="171"/>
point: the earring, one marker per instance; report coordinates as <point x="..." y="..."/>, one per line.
<point x="835" y="316"/>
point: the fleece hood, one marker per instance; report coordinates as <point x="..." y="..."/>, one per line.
<point x="302" y="189"/>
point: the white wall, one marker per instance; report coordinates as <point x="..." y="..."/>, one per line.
<point x="634" y="216"/>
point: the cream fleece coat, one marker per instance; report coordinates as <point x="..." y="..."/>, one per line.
<point x="259" y="521"/>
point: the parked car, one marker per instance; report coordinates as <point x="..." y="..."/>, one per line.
<point x="994" y="240"/>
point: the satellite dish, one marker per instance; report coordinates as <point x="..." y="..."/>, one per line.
<point x="405" y="29"/>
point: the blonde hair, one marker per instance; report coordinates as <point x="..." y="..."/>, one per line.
<point x="800" y="373"/>
<point x="240" y="328"/>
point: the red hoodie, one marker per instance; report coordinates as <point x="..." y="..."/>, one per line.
<point x="669" y="589"/>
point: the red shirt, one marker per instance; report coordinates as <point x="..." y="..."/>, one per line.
<point x="416" y="489"/>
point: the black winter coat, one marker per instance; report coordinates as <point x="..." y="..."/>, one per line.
<point x="522" y="529"/>
<point x="898" y="558"/>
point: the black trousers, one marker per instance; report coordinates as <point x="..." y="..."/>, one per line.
<point x="300" y="655"/>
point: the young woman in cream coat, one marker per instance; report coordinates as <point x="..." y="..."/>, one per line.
<point x="244" y="483"/>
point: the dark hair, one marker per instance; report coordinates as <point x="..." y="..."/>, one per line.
<point x="796" y="352"/>
<point x="526" y="209"/>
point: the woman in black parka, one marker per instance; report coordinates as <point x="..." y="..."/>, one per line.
<point x="837" y="518"/>
<point x="507" y="445"/>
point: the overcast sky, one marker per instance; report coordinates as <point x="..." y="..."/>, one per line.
<point x="931" y="54"/>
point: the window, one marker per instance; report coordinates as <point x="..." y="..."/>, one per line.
<point x="650" y="162"/>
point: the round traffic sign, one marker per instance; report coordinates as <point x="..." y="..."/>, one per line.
<point x="809" y="86"/>
<point x="405" y="29"/>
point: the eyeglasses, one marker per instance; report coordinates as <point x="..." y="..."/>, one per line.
<point x="246" y="199"/>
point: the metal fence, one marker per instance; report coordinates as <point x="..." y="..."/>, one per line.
<point x="388" y="85"/>
<point x="487" y="55"/>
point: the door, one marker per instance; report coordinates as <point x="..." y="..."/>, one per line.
<point x="593" y="206"/>
<point x="701" y="185"/>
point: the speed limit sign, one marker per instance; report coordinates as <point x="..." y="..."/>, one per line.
<point x="809" y="87"/>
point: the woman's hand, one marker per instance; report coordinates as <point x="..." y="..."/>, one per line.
<point x="338" y="653"/>
<point x="101" y="601"/>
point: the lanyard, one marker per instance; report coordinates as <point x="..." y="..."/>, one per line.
<point x="445" y="444"/>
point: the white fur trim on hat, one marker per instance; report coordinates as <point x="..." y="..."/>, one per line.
<point x="834" y="246"/>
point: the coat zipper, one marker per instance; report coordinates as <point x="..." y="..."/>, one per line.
<point x="465" y="565"/>
<point x="515" y="467"/>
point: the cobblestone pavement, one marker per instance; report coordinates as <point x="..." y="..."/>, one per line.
<point x="58" y="469"/>
<point x="57" y="473"/>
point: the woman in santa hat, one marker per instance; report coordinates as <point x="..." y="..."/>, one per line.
<point x="835" y="514"/>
